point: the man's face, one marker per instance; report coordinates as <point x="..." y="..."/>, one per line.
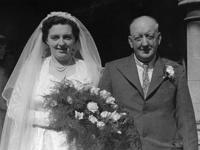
<point x="144" y="38"/>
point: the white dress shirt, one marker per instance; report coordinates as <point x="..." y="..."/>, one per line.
<point x="140" y="69"/>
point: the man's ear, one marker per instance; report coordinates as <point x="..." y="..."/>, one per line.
<point x="130" y="41"/>
<point x="159" y="38"/>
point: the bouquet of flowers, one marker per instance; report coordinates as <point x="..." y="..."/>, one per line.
<point x="91" y="117"/>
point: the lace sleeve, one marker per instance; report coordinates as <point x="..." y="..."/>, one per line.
<point x="14" y="107"/>
<point x="83" y="72"/>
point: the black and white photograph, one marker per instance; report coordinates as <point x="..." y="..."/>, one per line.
<point x="100" y="75"/>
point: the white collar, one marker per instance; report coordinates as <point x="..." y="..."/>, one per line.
<point x="150" y="64"/>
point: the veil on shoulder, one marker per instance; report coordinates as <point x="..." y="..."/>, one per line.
<point x="17" y="131"/>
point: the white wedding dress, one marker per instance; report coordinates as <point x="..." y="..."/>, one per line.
<point x="45" y="139"/>
<point x="31" y="80"/>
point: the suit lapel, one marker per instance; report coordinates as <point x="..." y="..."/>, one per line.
<point x="157" y="76"/>
<point x="129" y="71"/>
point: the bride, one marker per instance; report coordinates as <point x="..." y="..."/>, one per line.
<point x="60" y="48"/>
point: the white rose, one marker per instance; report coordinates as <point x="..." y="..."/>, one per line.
<point x="92" y="106"/>
<point x="114" y="106"/>
<point x="77" y="84"/>
<point x="104" y="94"/>
<point x="94" y="90"/>
<point x="110" y="100"/>
<point x="79" y="115"/>
<point x="100" y="124"/>
<point x="115" y="116"/>
<point x="170" y="70"/>
<point x="69" y="100"/>
<point x="105" y="114"/>
<point x="92" y="119"/>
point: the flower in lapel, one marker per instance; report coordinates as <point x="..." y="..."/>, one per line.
<point x="169" y="72"/>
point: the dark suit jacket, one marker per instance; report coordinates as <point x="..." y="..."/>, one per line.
<point x="166" y="117"/>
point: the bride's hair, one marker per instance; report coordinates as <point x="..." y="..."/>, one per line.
<point x="54" y="20"/>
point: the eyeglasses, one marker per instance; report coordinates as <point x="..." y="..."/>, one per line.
<point x="148" y="36"/>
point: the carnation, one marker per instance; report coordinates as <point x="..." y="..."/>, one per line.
<point x="92" y="106"/>
<point x="170" y="70"/>
<point x="69" y="100"/>
<point x="115" y="116"/>
<point x="94" y="90"/>
<point x="110" y="100"/>
<point x="100" y="124"/>
<point x="92" y="119"/>
<point x="105" y="94"/>
<point x="79" y="115"/>
<point x="105" y="114"/>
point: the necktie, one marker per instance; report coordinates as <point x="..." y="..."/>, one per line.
<point x="146" y="80"/>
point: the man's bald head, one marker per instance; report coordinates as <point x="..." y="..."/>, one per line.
<point x="142" y="22"/>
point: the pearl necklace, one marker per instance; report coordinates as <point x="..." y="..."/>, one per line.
<point x="58" y="67"/>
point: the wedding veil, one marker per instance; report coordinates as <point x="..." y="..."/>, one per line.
<point x="18" y="91"/>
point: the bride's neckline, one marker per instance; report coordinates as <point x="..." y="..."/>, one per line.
<point x="58" y="66"/>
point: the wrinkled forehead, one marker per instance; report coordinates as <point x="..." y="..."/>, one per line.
<point x="143" y="25"/>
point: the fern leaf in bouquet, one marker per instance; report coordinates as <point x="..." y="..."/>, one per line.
<point x="91" y="117"/>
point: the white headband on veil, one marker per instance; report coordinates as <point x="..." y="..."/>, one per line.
<point x="60" y="14"/>
<point x="19" y="88"/>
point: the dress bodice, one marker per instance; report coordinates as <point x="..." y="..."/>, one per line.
<point x="45" y="84"/>
<point x="46" y="80"/>
<point x="45" y="139"/>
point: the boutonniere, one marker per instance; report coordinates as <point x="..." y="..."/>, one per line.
<point x="169" y="72"/>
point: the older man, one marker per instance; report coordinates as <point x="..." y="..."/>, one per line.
<point x="154" y="90"/>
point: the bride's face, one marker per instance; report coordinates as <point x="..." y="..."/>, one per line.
<point x="61" y="40"/>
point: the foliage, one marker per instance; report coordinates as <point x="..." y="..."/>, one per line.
<point x="91" y="117"/>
